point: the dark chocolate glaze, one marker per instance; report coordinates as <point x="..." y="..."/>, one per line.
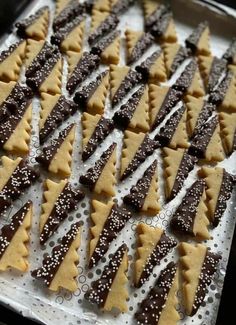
<point x="140" y="47"/>
<point x="6" y="53"/>
<point x="99" y="290"/>
<point x="25" y="23"/>
<point x="227" y="185"/>
<point x="162" y="248"/>
<point x="15" y="102"/>
<point x="22" y="178"/>
<point x="193" y="39"/>
<point x="61" y="34"/>
<point x="42" y="66"/>
<point x="66" y="202"/>
<point x="51" y="264"/>
<point x="86" y="65"/>
<point x="234" y="142"/>
<point x="173" y="96"/>
<point x="181" y="55"/>
<point x="145" y="66"/>
<point x="8" y="231"/>
<point x="204" y="115"/>
<point x="155" y="16"/>
<point x="184" y="217"/>
<point x="218" y="67"/>
<point x="146" y="149"/>
<point x="217" y="96"/>
<point x="103" y="43"/>
<point x="109" y="24"/>
<point x="201" y="140"/>
<point x="124" y="115"/>
<point x="138" y="192"/>
<point x="50" y="151"/>
<point x="115" y="222"/>
<point x="186" y="165"/>
<point x="159" y="28"/>
<point x="186" y="77"/>
<point x="70" y="12"/>
<point x="88" y="5"/>
<point x="92" y="175"/>
<point x="132" y="79"/>
<point x="167" y="132"/>
<point x="230" y="53"/>
<point x="63" y="109"/>
<point x="151" y="307"/>
<point x="121" y="6"/>
<point x="83" y="96"/>
<point x="101" y="131"/>
<point x="208" y="270"/>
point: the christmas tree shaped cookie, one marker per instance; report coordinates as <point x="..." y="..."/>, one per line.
<point x="177" y="165"/>
<point x="220" y="185"/>
<point x="92" y="97"/>
<point x="206" y="144"/>
<point x="153" y="68"/>
<point x="13" y="239"/>
<point x="161" y="101"/>
<point x="199" y="41"/>
<point x="110" y="290"/>
<point x="57" y="157"/>
<point x="122" y="79"/>
<point x="11" y="61"/>
<point x="211" y="69"/>
<point x="108" y="221"/>
<point x="59" y="270"/>
<point x="35" y="26"/>
<point x="70" y="37"/>
<point x="15" y="131"/>
<point x="190" y="218"/>
<point x="101" y="23"/>
<point x="164" y="29"/>
<point x="45" y="72"/>
<point x="95" y="129"/>
<point x="137" y="43"/>
<point x="80" y="67"/>
<point x="54" y="110"/>
<point x="135" y="113"/>
<point x="144" y="195"/>
<point x="174" y="55"/>
<point x="174" y="133"/>
<point x="59" y="199"/>
<point x="199" y="266"/>
<point x="67" y="11"/>
<point x="153" y="246"/>
<point x="159" y="307"/>
<point x="101" y="178"/>
<point x="15" y="176"/>
<point x="136" y="148"/>
<point x="228" y="131"/>
<point x="108" y="48"/>
<point x="190" y="81"/>
<point x="198" y="112"/>
<point x="32" y="50"/>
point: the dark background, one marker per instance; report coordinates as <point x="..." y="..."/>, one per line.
<point x="226" y="313"/>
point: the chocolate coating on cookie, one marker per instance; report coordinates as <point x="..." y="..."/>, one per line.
<point x="193" y="39"/>
<point x="121" y="6"/>
<point x="105" y="27"/>
<point x="103" y="43"/>
<point x="217" y="96"/>
<point x="145" y="66"/>
<point x="159" y="28"/>
<point x="155" y="16"/>
<point x="218" y="67"/>
<point x="186" y="77"/>
<point x="206" y="112"/>
<point x="230" y="53"/>
<point x="140" y="47"/>
<point x="179" y="58"/>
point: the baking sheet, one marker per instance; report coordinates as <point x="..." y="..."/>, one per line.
<point x="29" y="296"/>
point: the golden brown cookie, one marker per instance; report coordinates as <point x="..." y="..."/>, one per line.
<point x="109" y="291"/>
<point x="57" y="157"/>
<point x="5" y="90"/>
<point x="153" y="246"/>
<point x="101" y="178"/>
<point x="13" y="240"/>
<point x="59" y="270"/>
<point x="32" y="50"/>
<point x="11" y="61"/>
<point x="108" y="221"/>
<point x="228" y="131"/>
<point x="199" y="266"/>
